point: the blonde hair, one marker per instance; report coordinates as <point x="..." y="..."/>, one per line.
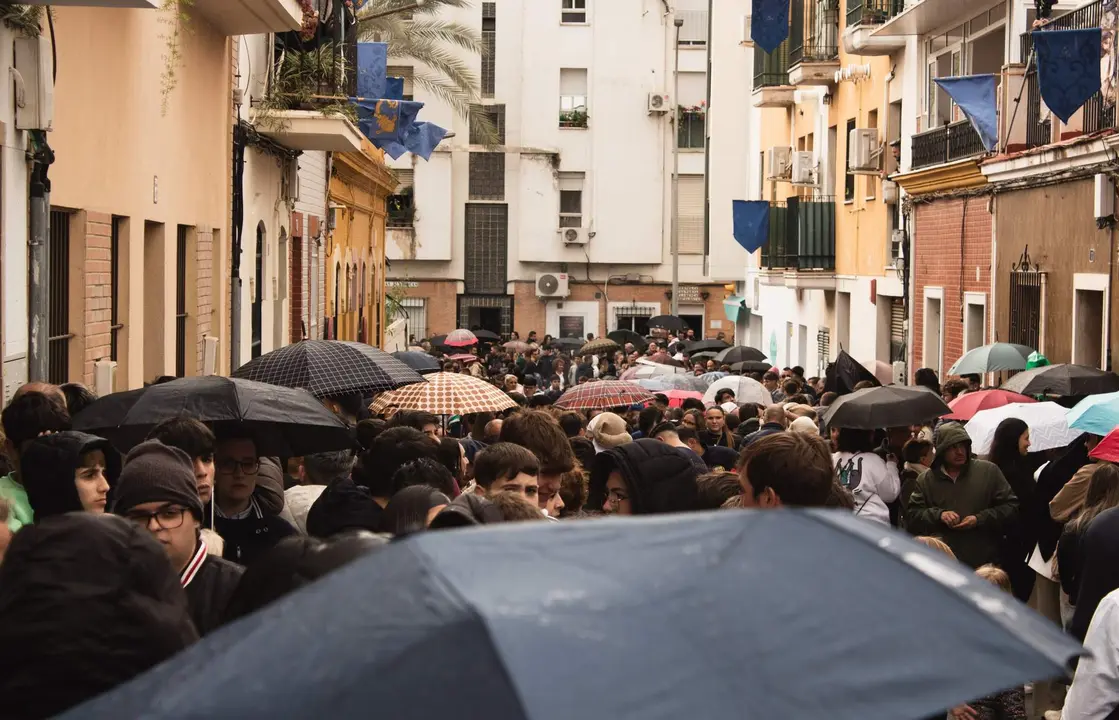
<point x="996" y="576"/>
<point x="936" y="544"/>
<point x="736" y="502"/>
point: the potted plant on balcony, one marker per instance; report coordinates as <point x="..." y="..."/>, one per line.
<point x="307" y="79"/>
<point x="573" y="118"/>
<point x="23" y="19"/>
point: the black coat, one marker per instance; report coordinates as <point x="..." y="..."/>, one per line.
<point x="343" y="506"/>
<point x="764" y="431"/>
<point x="1099" y="570"/>
<point x="248" y="538"/>
<point x="209" y="592"/>
<point x="47" y="468"/>
<point x="660" y="479"/>
<point x="1052" y="478"/>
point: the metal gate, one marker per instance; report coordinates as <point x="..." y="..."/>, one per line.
<point x="897" y="330"/>
<point x="823" y="350"/>
<point x="1027" y="297"/>
<point x="58" y="321"/>
<point x="114" y="289"/>
<point x="180" y="301"/>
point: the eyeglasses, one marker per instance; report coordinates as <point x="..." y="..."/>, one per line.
<point x="616" y="498"/>
<point x="229" y="466"/>
<point x="167" y="518"/>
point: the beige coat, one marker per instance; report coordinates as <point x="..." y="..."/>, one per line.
<point x="1070" y="499"/>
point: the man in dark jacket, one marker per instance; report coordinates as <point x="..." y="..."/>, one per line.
<point x="68" y="471"/>
<point x="677" y="437"/>
<point x="1099" y="573"/>
<point x="774" y="421"/>
<point x="965" y="501"/>
<point x="238" y="517"/>
<point x="644" y="477"/>
<point x="157" y="491"/>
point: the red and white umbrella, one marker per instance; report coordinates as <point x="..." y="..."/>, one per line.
<point x="446" y="394"/>
<point x="965" y="406"/>
<point x="460" y="338"/>
<point x="604" y="395"/>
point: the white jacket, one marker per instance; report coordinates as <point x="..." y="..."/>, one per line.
<point x="877" y="481"/>
<point x="1094" y="694"/>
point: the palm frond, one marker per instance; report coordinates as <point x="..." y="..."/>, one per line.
<point x="452" y="33"/>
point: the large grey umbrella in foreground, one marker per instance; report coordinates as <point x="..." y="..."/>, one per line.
<point x="885" y="407"/>
<point x="992" y="358"/>
<point x="805" y="615"/>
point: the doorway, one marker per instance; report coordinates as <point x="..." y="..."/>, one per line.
<point x="1090" y="328"/>
<point x="485" y="318"/>
<point x="258" y="292"/>
<point x="933" y="334"/>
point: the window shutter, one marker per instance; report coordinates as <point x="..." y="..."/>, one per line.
<point x="404" y="180"/>
<point x="690" y="213"/>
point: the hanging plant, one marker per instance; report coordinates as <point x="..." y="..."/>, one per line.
<point x="23" y="19"/>
<point x="699" y="110"/>
<point x="310" y="20"/>
<point x="176" y="18"/>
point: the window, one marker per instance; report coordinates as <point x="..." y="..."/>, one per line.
<point x="690" y="214"/>
<point x="573" y="11"/>
<point x="933" y="329"/>
<point x="405" y="73"/>
<point x="400" y="206"/>
<point x="414" y="311"/>
<point x="573" y="98"/>
<point x="487" y="176"/>
<point x="489" y="48"/>
<point x="496" y="116"/>
<point x="486" y="248"/>
<point x="58" y="317"/>
<point x="848" y="178"/>
<point x="571" y="200"/>
<point x="975" y="321"/>
<point x="897" y="330"/>
<point x="693" y="129"/>
<point x="694" y="14"/>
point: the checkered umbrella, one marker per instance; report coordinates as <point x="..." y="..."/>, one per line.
<point x="604" y="395"/>
<point x="460" y="338"/>
<point x="329" y="367"/>
<point x="446" y="394"/>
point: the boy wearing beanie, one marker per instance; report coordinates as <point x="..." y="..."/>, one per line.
<point x="157" y="491"/>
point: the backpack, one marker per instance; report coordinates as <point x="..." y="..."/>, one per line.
<point x="850" y="473"/>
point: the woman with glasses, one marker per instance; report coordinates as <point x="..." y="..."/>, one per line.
<point x="157" y="491"/>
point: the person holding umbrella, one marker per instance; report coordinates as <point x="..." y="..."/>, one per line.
<point x="871" y="479"/>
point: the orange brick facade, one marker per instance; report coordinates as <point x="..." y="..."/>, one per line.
<point x="97" y="296"/>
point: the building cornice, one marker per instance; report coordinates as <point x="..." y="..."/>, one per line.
<point x="369" y="163"/>
<point x="1050" y="159"/>
<point x="952" y="176"/>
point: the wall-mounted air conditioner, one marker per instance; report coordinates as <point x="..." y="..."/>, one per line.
<point x="864" y="152"/>
<point x="104" y="375"/>
<point x="209" y="355"/>
<point x="778" y="163"/>
<point x="574" y="236"/>
<point x="552" y="285"/>
<point x="33" y="76"/>
<point x="658" y="103"/>
<point x="804" y="169"/>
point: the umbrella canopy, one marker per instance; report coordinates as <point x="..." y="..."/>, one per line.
<point x="741" y="353"/>
<point x="751" y="366"/>
<point x="517" y="346"/>
<point x="627" y="336"/>
<point x="845" y="373"/>
<point x="570" y="344"/>
<point x="885" y="407"/>
<point x="667" y="322"/>
<point x="661" y="358"/>
<point x="460" y="338"/>
<point x="1107" y="449"/>
<point x="599" y="346"/>
<point x="703" y="355"/>
<point x="662" y="383"/>
<point x="421" y="362"/>
<point x="676" y="398"/>
<point x="706" y="379"/>
<point x="654" y="611"/>
<point x="746" y="390"/>
<point x="715" y="346"/>
<point x="604" y="395"/>
<point x="992" y="358"/>
<point x="649" y="369"/>
<point x="487" y="336"/>
<point x="965" y="406"/>
<point x="1096" y="414"/>
<point x="463" y="358"/>
<point x="1063" y="379"/>
<point x="882" y="372"/>
<point x="1047" y="420"/>
<point x="329" y="368"/>
<point x="284" y="422"/>
<point x="446" y="394"/>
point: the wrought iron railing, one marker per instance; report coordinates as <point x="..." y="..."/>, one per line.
<point x="872" y="12"/>
<point x="813" y="31"/>
<point x="947" y="143"/>
<point x="801" y="235"/>
<point x="775" y="251"/>
<point x="771" y="69"/>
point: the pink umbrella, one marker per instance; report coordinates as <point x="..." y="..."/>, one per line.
<point x="965" y="406"/>
<point x="883" y="372"/>
<point x="676" y="398"/>
<point x="460" y="338"/>
<point x="463" y="357"/>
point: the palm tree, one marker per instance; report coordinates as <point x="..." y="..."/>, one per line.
<point x="436" y="44"/>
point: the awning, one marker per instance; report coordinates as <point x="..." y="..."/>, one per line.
<point x="733" y="305"/>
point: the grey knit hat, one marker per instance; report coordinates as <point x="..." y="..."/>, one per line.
<point x="154" y="472"/>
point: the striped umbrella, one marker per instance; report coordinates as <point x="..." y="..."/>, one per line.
<point x="446" y="394"/>
<point x="604" y="395"/>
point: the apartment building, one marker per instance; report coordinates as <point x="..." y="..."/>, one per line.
<point x="565" y="226"/>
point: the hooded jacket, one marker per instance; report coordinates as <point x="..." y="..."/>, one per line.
<point x="48" y="465"/>
<point x="980" y="490"/>
<point x="343" y="505"/>
<point x="659" y="479"/>
<point x="89" y="602"/>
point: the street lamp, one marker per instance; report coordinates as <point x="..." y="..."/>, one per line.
<point x="678" y="22"/>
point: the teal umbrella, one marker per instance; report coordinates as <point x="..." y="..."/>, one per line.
<point x="1096" y="414"/>
<point x="992" y="358"/>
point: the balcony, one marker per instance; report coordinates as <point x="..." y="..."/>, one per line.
<point x="813" y="42"/>
<point x="771" y="77"/>
<point x="920" y="17"/>
<point x="250" y="17"/>
<point x="949" y="143"/>
<point x="800" y="252"/>
<point x="863" y="18"/>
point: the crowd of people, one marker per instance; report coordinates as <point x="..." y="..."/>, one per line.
<point x="111" y="563"/>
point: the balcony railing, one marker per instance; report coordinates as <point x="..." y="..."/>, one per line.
<point x="308" y="75"/>
<point x="771" y="69"/>
<point x="694" y="30"/>
<point x="872" y="12"/>
<point x="1096" y="113"/>
<point x="801" y="235"/>
<point x="813" y="31"/>
<point x="948" y="143"/>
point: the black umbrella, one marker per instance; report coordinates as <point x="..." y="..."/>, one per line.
<point x="662" y="609"/>
<point x="705" y="355"/>
<point x="845" y="373"/>
<point x="327" y="368"/>
<point x="751" y="366"/>
<point x="667" y="322"/>
<point x="486" y="336"/>
<point x="419" y="361"/>
<point x="885" y="407"/>
<point x="571" y="344"/>
<point x="698" y="346"/>
<point x="284" y="422"/>
<point x="1063" y="380"/>
<point x="627" y="336"/>
<point x="741" y="353"/>
<point x="437" y="340"/>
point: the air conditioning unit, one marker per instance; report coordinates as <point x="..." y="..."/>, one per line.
<point x="899" y="372"/>
<point x="574" y="236"/>
<point x="659" y="103"/>
<point x="552" y="285"/>
<point x="104" y="374"/>
<point x="778" y="163"/>
<point x="804" y="169"/>
<point x="864" y="152"/>
<point x="889" y="192"/>
<point x="33" y="73"/>
<point x="747" y="31"/>
<point x="291" y="179"/>
<point x="209" y="355"/>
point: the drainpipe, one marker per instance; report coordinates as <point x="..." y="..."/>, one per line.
<point x="236" y="231"/>
<point x="39" y="259"/>
<point x="707" y="148"/>
<point x="678" y="22"/>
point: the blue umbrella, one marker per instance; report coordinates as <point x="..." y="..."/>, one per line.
<point x="1097" y="414"/>
<point x="764" y="614"/>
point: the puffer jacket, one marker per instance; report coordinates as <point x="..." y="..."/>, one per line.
<point x="660" y="479"/>
<point x="48" y="465"/>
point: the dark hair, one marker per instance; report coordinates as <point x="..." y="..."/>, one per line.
<point x="865" y="384"/>
<point x="516" y="508"/>
<point x="573" y="491"/>
<point x="855" y="441"/>
<point x="323" y="468"/>
<point x="503" y="461"/>
<point x="31" y="414"/>
<point x="685" y="434"/>
<point x="663" y="428"/>
<point x="790" y="387"/>
<point x="771" y="377"/>
<point x="424" y="471"/>
<point x="540" y="433"/>
<point x="1004" y="445"/>
<point x="584" y="452"/>
<point x="828" y="398"/>
<point x="368" y="430"/>
<point x="797" y="466"/>
<point x="914" y="450"/>
<point x="661" y="398"/>
<point x="840" y="498"/>
<point x="648" y="419"/>
<point x="162" y="379"/>
<point x="954" y="387"/>
<point x="78" y="397"/>
<point x="477" y="423"/>
<point x="416" y="419"/>
<point x="350" y="403"/>
<point x="798" y="371"/>
<point x="572" y="423"/>
<point x="750" y="410"/>
<point x="723" y="393"/>
<point x="798" y="398"/>
<point x="186" y="434"/>
<point x="693" y="404"/>
<point x="926" y="377"/>
<point x="407" y="511"/>
<point x="392" y="449"/>
<point x="529" y="380"/>
<point x="700" y="417"/>
<point x="716" y="488"/>
<point x="450" y="454"/>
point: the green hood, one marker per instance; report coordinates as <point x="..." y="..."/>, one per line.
<point x="948" y="435"/>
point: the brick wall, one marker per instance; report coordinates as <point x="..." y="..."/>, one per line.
<point x="953" y="252"/>
<point x="96" y="308"/>
<point x="204" y="276"/>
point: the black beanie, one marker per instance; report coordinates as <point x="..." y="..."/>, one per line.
<point x="154" y="472"/>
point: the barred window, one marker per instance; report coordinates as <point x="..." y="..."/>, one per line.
<point x="487" y="176"/>
<point x="486" y="247"/>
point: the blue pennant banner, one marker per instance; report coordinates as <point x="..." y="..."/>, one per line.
<point x="386" y="119"/>
<point x="770" y="23"/>
<point x="394" y="89"/>
<point x="1068" y="68"/>
<point x="372" y="60"/>
<point x="751" y="223"/>
<point x="421" y="139"/>
<point x="977" y="97"/>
